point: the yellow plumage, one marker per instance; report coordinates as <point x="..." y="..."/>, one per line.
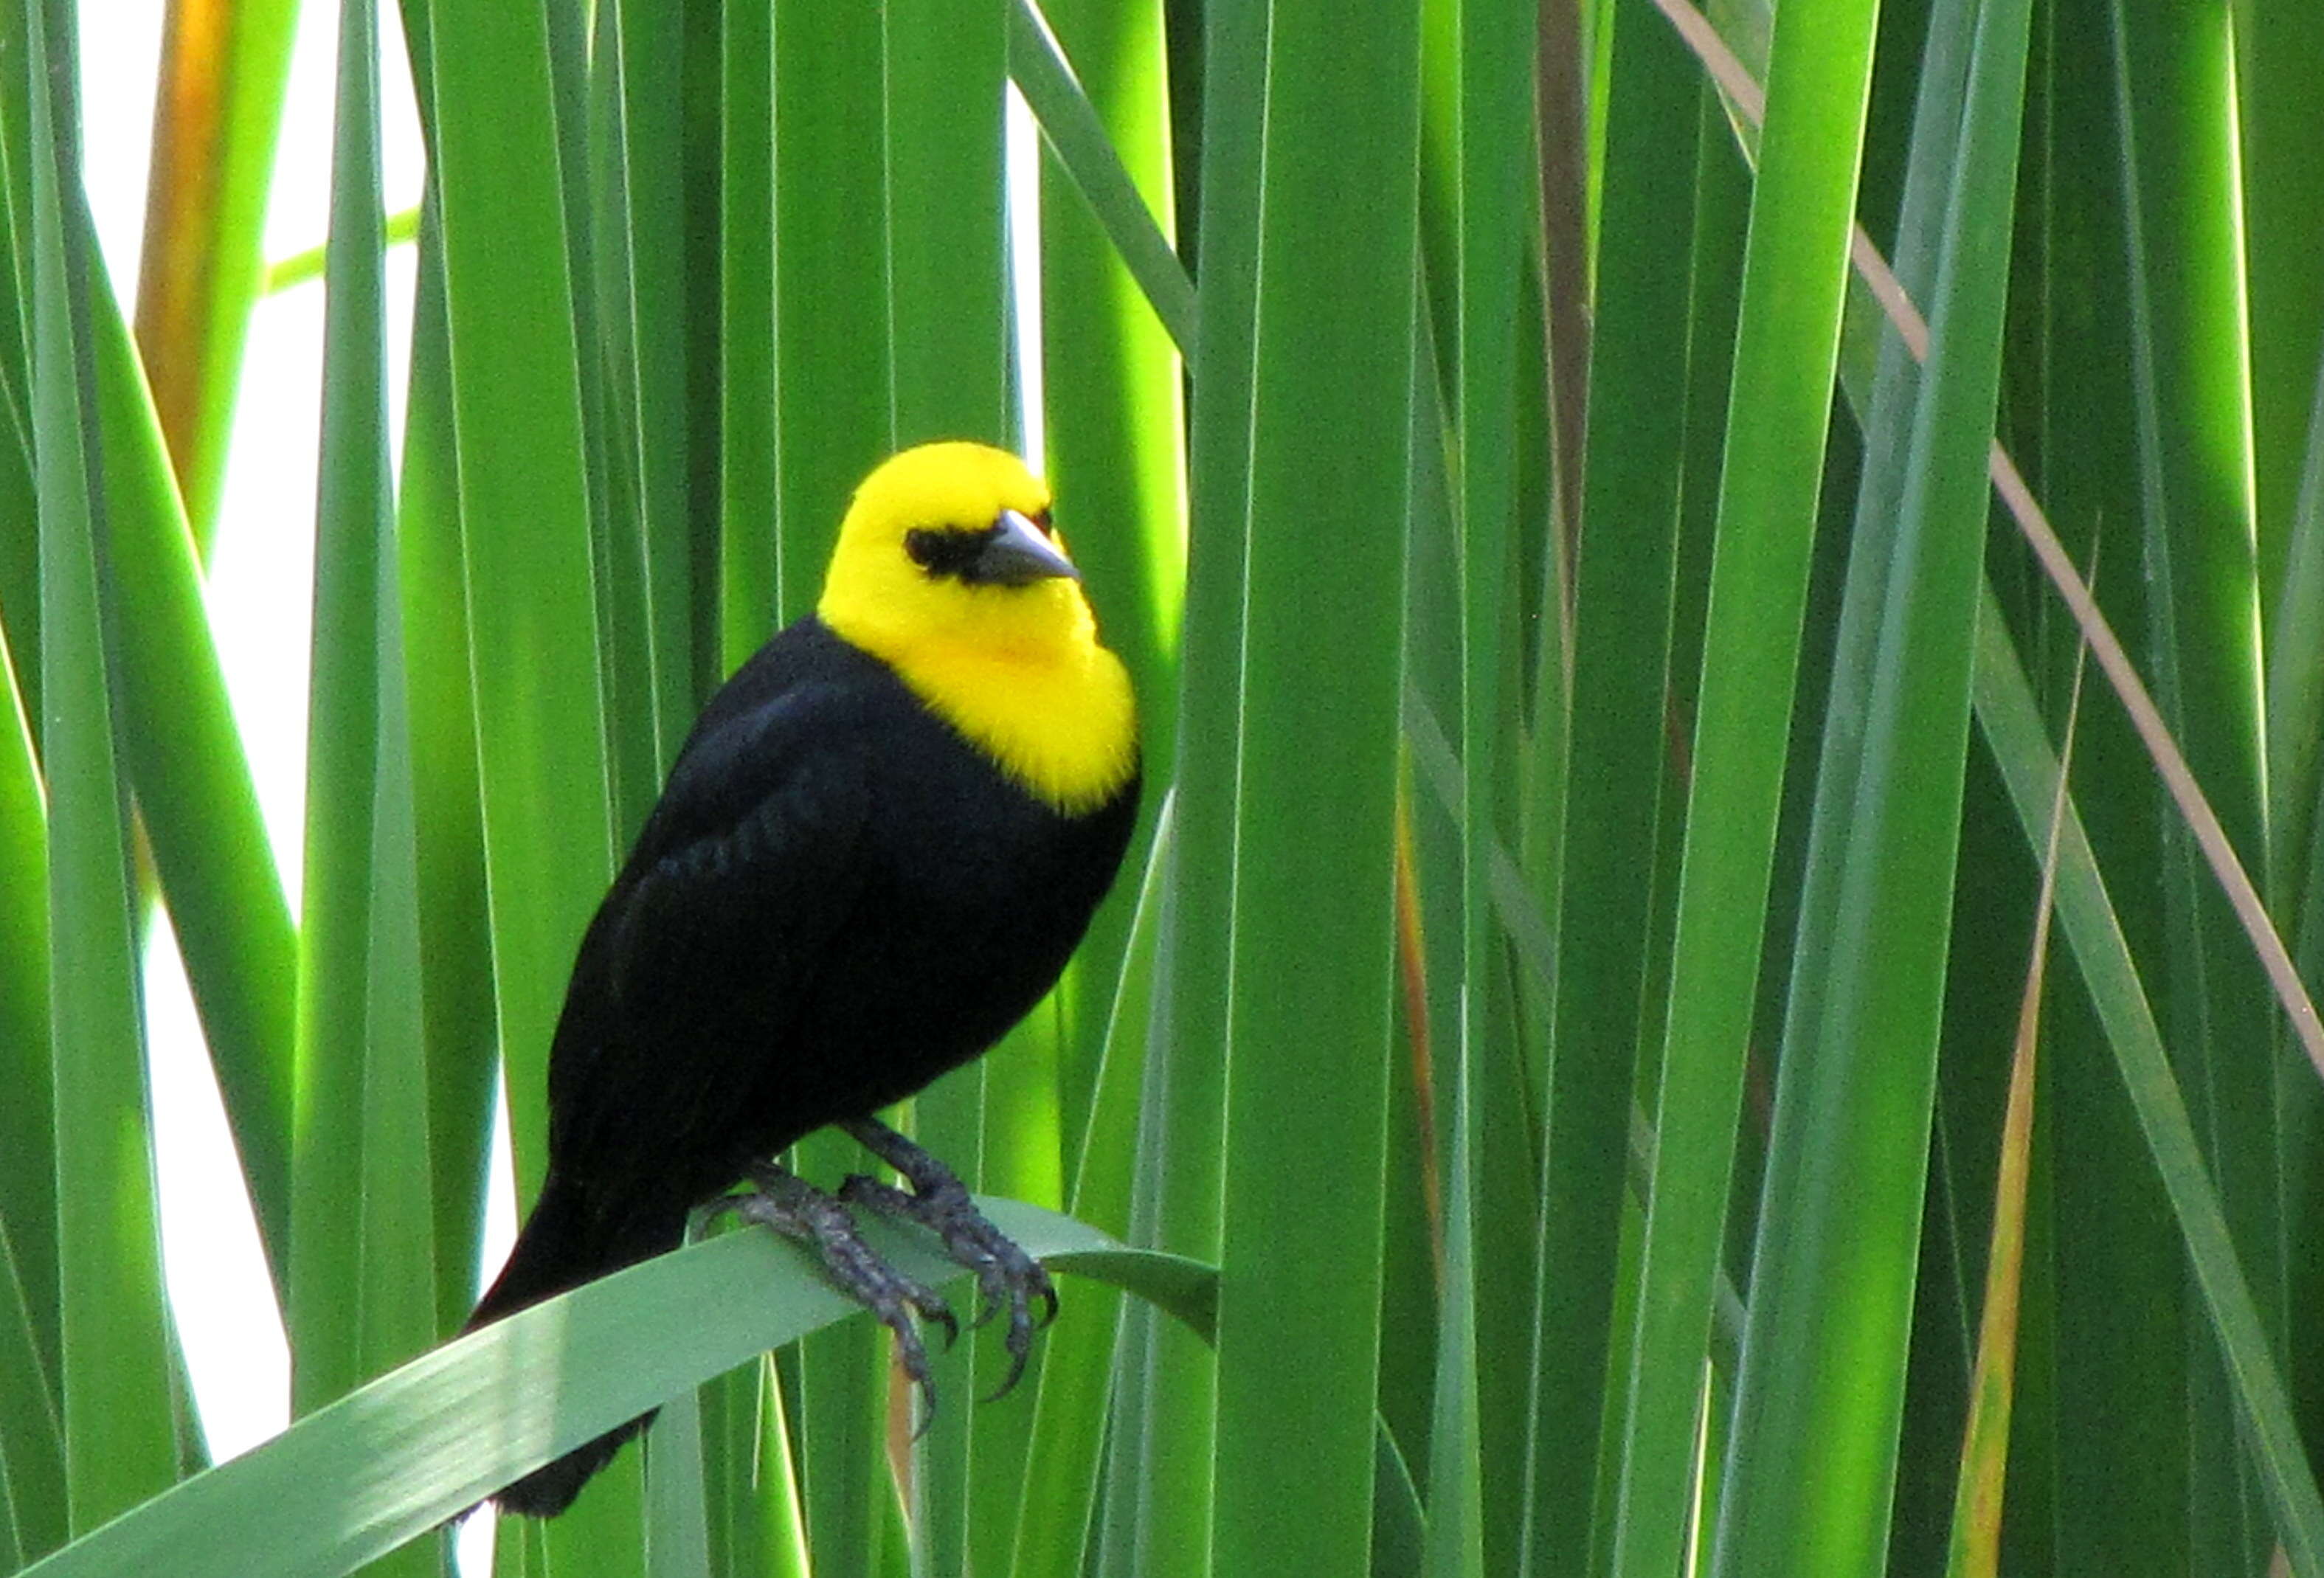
<point x="1017" y="671"/>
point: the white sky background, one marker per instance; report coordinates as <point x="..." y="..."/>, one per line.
<point x="259" y="594"/>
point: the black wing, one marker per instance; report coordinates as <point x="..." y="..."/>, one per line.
<point x="687" y="975"/>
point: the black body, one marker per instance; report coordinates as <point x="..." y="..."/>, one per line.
<point x="836" y="899"/>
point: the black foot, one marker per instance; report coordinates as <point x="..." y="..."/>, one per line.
<point x="795" y="1208"/>
<point x="1006" y="1276"/>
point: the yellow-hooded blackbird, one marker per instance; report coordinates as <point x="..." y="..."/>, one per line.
<point x="878" y="845"/>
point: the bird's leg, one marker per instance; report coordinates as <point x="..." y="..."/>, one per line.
<point x="1006" y="1276"/>
<point x="782" y="1200"/>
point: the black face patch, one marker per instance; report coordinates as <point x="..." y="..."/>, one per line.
<point x="950" y="552"/>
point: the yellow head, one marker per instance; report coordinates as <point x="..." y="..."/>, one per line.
<point x="947" y="570"/>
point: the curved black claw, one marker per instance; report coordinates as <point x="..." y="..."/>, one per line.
<point x="795" y="1208"/>
<point x="1007" y="1277"/>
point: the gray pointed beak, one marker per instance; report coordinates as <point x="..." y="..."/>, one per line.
<point x="1019" y="554"/>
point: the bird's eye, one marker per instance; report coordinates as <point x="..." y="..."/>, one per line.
<point x="949" y="551"/>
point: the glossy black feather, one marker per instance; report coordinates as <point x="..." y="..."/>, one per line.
<point x="836" y="899"/>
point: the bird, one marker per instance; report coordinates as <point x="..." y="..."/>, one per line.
<point x="875" y="851"/>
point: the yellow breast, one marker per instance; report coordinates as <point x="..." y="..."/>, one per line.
<point x="1064" y="731"/>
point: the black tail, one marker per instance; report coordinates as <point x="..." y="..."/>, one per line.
<point x="563" y="1245"/>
